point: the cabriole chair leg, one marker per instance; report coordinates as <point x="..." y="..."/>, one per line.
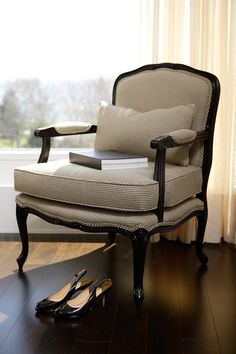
<point x="21" y="215"/>
<point x="112" y="236"/>
<point x="202" y="220"/>
<point x="139" y="242"/>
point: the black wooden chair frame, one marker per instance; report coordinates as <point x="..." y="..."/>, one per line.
<point x="140" y="237"/>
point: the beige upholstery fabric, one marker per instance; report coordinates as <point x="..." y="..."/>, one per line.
<point x="127" y="190"/>
<point x="165" y="88"/>
<point x="124" y="129"/>
<point x="71" y="127"/>
<point x="183" y="136"/>
<point x="106" y="218"/>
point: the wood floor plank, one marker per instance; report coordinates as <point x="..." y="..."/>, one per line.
<point x="225" y="327"/>
<point x="45" y="280"/>
<point x="14" y="301"/>
<point x="196" y="314"/>
<point x="53" y="338"/>
<point x="8" y="249"/>
<point x="99" y="323"/>
<point x="43" y="251"/>
<point x="200" y="346"/>
<point x="221" y="285"/>
<point x="164" y="325"/>
<point x="40" y="285"/>
<point x="72" y="250"/>
<point x="130" y="328"/>
<point x="185" y="310"/>
<point x="8" y="263"/>
<point x="59" y="336"/>
<point x="90" y="348"/>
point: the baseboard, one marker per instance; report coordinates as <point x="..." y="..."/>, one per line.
<point x="82" y="237"/>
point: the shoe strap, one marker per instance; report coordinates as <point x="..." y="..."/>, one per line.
<point x="77" y="277"/>
<point x="97" y="283"/>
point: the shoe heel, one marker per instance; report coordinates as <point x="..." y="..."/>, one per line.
<point x="104" y="300"/>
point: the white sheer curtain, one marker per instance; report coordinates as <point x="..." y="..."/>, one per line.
<point x="201" y="33"/>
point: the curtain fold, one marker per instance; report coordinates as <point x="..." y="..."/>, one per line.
<point x="201" y="33"/>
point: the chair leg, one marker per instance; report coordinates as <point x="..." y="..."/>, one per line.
<point x="202" y="220"/>
<point x="139" y="242"/>
<point x="112" y="236"/>
<point x="21" y="215"/>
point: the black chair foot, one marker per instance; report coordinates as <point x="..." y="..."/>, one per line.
<point x="203" y="259"/>
<point x="138" y="297"/>
<point x="20" y="262"/>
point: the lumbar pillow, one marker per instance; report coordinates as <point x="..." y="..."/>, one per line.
<point x="124" y="129"/>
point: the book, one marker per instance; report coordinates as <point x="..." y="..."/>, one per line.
<point x="106" y="160"/>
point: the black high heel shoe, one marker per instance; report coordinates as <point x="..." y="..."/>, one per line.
<point x="83" y="303"/>
<point x="76" y="284"/>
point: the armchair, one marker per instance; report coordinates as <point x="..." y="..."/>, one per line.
<point x="164" y="111"/>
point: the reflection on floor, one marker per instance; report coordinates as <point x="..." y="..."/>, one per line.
<point x="185" y="310"/>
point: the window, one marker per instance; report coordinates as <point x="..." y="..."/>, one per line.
<point x="59" y="59"/>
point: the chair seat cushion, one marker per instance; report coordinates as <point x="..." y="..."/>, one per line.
<point x="124" y="189"/>
<point x="95" y="217"/>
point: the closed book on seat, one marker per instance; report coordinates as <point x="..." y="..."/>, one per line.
<point x="105" y="160"/>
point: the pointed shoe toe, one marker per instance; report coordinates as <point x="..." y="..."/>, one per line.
<point x="84" y="301"/>
<point x="71" y="288"/>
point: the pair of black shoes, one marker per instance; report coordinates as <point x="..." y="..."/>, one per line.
<point x="76" y="298"/>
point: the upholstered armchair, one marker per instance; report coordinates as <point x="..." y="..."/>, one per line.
<point x="165" y="112"/>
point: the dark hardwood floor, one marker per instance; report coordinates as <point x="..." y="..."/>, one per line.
<point x="186" y="310"/>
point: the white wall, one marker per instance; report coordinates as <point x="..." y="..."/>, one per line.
<point x="9" y="159"/>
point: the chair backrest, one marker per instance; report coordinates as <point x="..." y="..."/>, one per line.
<point x="167" y="85"/>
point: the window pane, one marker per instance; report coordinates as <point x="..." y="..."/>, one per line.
<point x="60" y="59"/>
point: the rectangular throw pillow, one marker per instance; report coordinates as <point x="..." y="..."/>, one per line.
<point x="126" y="130"/>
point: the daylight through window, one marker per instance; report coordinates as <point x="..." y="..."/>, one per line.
<point x="60" y="59"/>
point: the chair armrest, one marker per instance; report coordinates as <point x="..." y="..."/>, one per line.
<point x="202" y="135"/>
<point x="161" y="144"/>
<point x="174" y="139"/>
<point x="65" y="128"/>
<point x="60" y="129"/>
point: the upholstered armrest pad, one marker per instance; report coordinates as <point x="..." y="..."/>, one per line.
<point x="174" y="139"/>
<point x="65" y="128"/>
<point x="183" y="136"/>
